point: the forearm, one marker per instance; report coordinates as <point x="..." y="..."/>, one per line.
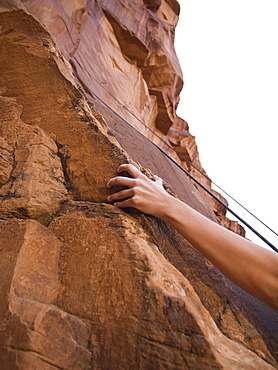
<point x="252" y="267"/>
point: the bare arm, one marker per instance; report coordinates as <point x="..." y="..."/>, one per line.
<point x="248" y="265"/>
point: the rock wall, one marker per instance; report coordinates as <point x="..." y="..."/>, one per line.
<point x="85" y="285"/>
<point x="134" y="40"/>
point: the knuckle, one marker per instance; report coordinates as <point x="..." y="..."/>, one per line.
<point x="120" y="194"/>
<point x="135" y="200"/>
<point x="113" y="181"/>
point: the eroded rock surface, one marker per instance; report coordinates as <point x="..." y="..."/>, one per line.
<point x="32" y="177"/>
<point x="85" y="285"/>
<point x="134" y="40"/>
<point x="35" y="333"/>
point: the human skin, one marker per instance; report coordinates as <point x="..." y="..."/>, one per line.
<point x="251" y="267"/>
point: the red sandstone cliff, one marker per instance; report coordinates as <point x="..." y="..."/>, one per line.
<point x="85" y="285"/>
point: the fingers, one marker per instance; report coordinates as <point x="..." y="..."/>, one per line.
<point x="124" y="181"/>
<point x="139" y="191"/>
<point x="127" y="203"/>
<point x="123" y="194"/>
<point x="120" y="181"/>
<point x="133" y="171"/>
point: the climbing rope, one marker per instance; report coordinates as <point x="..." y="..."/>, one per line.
<point x="183" y="169"/>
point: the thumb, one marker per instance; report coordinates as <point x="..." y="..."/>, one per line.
<point x="158" y="180"/>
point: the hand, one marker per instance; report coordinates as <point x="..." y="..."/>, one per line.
<point x="142" y="193"/>
<point x="225" y="249"/>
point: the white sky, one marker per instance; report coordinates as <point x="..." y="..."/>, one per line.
<point x="229" y="56"/>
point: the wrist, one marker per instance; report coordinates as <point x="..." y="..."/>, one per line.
<point x="168" y="208"/>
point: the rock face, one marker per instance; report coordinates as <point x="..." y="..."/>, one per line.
<point x="85" y="285"/>
<point x="134" y="40"/>
<point x="32" y="178"/>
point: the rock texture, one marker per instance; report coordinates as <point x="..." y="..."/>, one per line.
<point x="85" y="285"/>
<point x="134" y="40"/>
<point x="32" y="177"/>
